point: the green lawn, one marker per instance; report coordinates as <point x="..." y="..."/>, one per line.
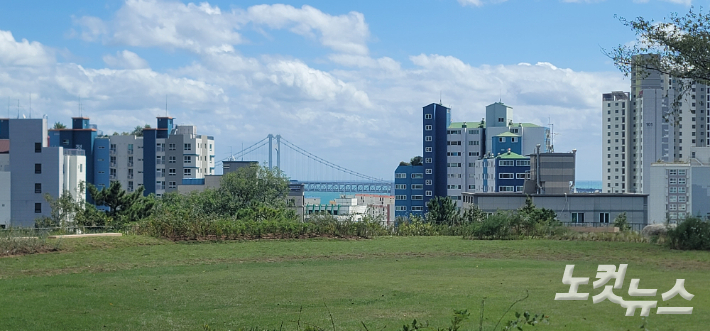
<point x="140" y="283"/>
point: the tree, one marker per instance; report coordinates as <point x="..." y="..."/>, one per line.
<point x="123" y="207"/>
<point x="63" y="209"/>
<point x="416" y="161"/>
<point x="677" y="47"/>
<point x="249" y="189"/>
<point x="443" y="210"/>
<point x="59" y="125"/>
<point x="138" y="130"/>
<point x="621" y="223"/>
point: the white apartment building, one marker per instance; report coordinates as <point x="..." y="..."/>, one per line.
<point x="126" y="161"/>
<point x="656" y="130"/>
<point x="469" y="142"/>
<point x="680" y="189"/>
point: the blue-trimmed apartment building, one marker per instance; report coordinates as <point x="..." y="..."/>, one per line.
<point x="450" y="151"/>
<point x="82" y="135"/>
<point x="504" y="173"/>
<point x="409" y="190"/>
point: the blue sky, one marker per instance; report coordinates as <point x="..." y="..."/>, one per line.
<point x="343" y="79"/>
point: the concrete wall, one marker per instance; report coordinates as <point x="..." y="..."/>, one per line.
<point x="5" y="198"/>
<point x="634" y="205"/>
<point x="24" y="133"/>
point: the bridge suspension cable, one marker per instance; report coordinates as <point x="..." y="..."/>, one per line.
<point x="246" y="150"/>
<point x="327" y="163"/>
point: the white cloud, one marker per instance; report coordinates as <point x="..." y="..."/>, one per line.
<point x="126" y="60"/>
<point x="361" y="112"/>
<point x="23" y="53"/>
<point x="479" y="3"/>
<point x="205" y="28"/>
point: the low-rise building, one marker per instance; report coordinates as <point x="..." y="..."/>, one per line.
<point x="570" y="208"/>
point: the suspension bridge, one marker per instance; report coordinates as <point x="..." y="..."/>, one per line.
<point x="314" y="172"/>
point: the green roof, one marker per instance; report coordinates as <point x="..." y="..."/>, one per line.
<point x="507" y="134"/>
<point x="511" y="155"/>
<point x="526" y="125"/>
<point x="469" y="125"/>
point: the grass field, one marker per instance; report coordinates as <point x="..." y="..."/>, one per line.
<point x="141" y="283"/>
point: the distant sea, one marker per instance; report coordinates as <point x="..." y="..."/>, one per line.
<point x="328" y="196"/>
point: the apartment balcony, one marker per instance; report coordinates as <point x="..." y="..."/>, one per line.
<point x="160" y="149"/>
<point x="130" y="176"/>
<point x="160" y="162"/>
<point x="112" y="176"/>
<point x="113" y="164"/>
<point x="112" y="151"/>
<point x="130" y="152"/>
<point x="130" y="164"/>
<point x="74" y="152"/>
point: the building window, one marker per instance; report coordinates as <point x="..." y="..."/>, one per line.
<point x="172" y="159"/>
<point x="472" y="153"/>
<point x="681" y="181"/>
<point x="400" y="175"/>
<point x="38" y="208"/>
<point x="187" y="172"/>
<point x="506" y="176"/>
<point x="681" y="172"/>
<point x="427" y="138"/>
<point x="427" y="116"/>
<point x="603" y="217"/>
<point x="38" y="147"/>
<point x="417" y="197"/>
<point x="428" y="171"/>
<point x="187" y="159"/>
<point x="428" y="149"/>
<point x="454" y="143"/>
<point x="681" y="198"/>
<point x="506" y="189"/>
<point x="428" y="193"/>
<point x="417" y="175"/>
<point x="38" y="187"/>
<point x="577" y="217"/>
<point x="400" y="186"/>
<point x="522" y="163"/>
<point x="172" y="184"/>
<point x="400" y="208"/>
<point x="38" y="168"/>
<point x="427" y="127"/>
<point x="506" y="163"/>
<point x="428" y="182"/>
<point x="400" y="197"/>
<point x="501" y="139"/>
<point x="521" y="176"/>
<point x="188" y="147"/>
<point x="427" y="160"/>
<point x="473" y="143"/>
<point x="417" y="186"/>
<point x="417" y="208"/>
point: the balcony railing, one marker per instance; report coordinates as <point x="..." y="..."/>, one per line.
<point x="130" y="164"/>
<point x="130" y="176"/>
<point x="160" y="149"/>
<point x="74" y="152"/>
<point x="130" y="152"/>
<point x="160" y="161"/>
<point x="112" y="151"/>
<point x="112" y="176"/>
<point x="113" y="164"/>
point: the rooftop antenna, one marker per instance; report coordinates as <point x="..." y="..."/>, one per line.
<point x="439" y="97"/>
<point x="500" y="95"/>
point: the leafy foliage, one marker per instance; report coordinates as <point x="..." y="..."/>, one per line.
<point x="443" y="210"/>
<point x="621" y="222"/>
<point x="59" y="125"/>
<point x="123" y="207"/>
<point x="416" y="161"/>
<point x="692" y="233"/>
<point x="676" y="47"/>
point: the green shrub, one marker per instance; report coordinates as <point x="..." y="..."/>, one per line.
<point x="692" y="233"/>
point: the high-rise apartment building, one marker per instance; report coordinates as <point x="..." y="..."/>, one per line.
<point x="650" y="125"/>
